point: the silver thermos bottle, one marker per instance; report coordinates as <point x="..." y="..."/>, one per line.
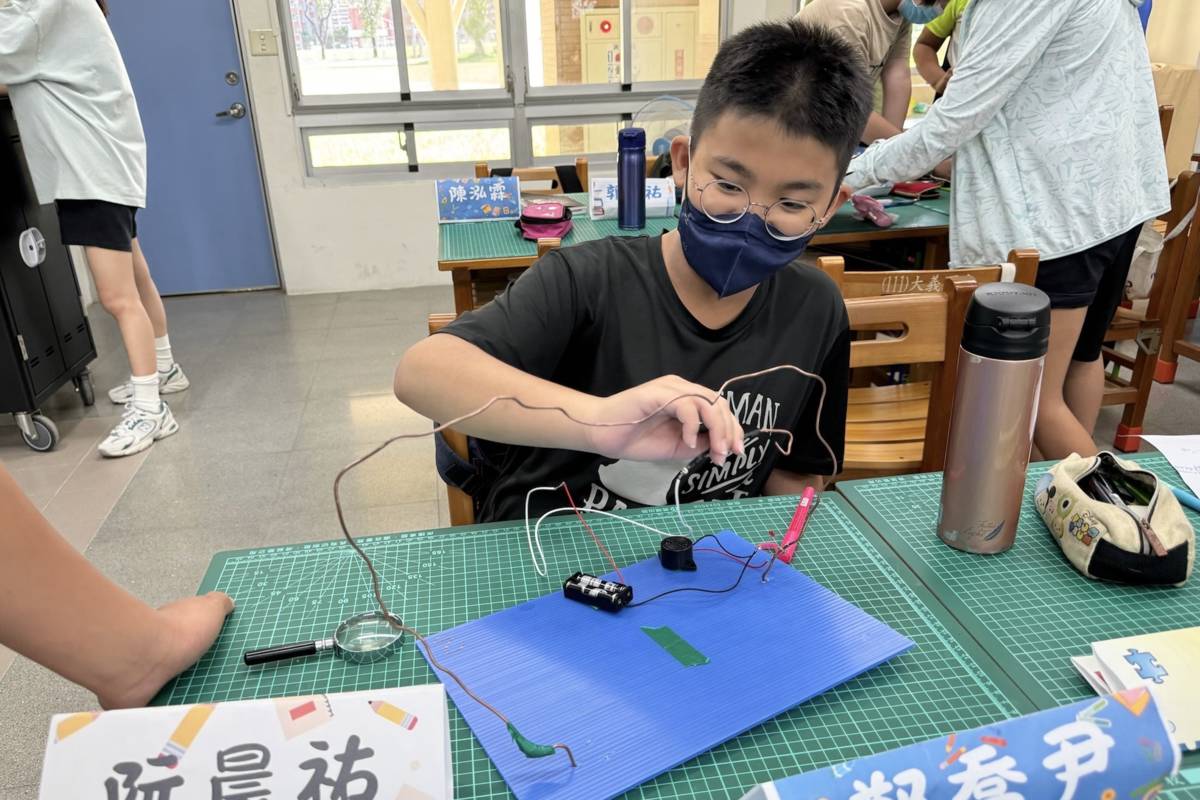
<point x="995" y="406"/>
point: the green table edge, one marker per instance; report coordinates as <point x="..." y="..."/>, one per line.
<point x="924" y="583"/>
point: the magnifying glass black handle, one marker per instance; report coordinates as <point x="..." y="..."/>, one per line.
<point x="279" y="653"/>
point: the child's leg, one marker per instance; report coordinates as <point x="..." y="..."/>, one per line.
<point x="170" y="374"/>
<point x="1083" y="391"/>
<point x="1058" y="432"/>
<point x="58" y="610"/>
<point x="151" y="300"/>
<point x="113" y="273"/>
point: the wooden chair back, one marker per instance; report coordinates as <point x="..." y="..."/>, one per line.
<point x="536" y="174"/>
<point x="462" y="507"/>
<point x="892" y="429"/>
<point x="1165" y="115"/>
<point x="1022" y="267"/>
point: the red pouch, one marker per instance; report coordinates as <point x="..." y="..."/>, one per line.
<point x="544" y="221"/>
<point x="917" y="190"/>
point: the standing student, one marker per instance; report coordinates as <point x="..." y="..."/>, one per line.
<point x="623" y="328"/>
<point x="933" y="36"/>
<point x="83" y="139"/>
<point x="1053" y="124"/>
<point x="879" y="32"/>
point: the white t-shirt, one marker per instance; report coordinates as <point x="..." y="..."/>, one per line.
<point x="74" y="106"/>
<point x="1052" y="120"/>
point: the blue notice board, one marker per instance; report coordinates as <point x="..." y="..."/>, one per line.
<point x="473" y="199"/>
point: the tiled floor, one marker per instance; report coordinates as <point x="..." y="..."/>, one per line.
<point x="286" y="390"/>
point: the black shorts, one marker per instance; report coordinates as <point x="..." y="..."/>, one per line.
<point x="97" y="223"/>
<point x="1094" y="278"/>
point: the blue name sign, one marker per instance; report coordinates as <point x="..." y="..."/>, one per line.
<point x="473" y="199"/>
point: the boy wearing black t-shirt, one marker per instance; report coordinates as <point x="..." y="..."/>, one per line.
<point x="611" y="330"/>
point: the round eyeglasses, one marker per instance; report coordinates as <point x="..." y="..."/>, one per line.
<point x="725" y="202"/>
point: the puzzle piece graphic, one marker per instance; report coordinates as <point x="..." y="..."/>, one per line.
<point x="1147" y="668"/>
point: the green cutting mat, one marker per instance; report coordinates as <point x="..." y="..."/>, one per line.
<point x="439" y="579"/>
<point x="470" y="241"/>
<point x="465" y="241"/>
<point x="1028" y="606"/>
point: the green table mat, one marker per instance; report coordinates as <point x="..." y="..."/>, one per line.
<point x="439" y="579"/>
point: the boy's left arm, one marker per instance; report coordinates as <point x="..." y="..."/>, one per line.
<point x="808" y="463"/>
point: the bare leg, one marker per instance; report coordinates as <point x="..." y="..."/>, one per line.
<point x="1059" y="432"/>
<point x="1084" y="391"/>
<point x="149" y="292"/>
<point x="58" y="610"/>
<point x="113" y="272"/>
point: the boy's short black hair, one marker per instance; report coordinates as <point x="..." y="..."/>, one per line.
<point x="802" y="76"/>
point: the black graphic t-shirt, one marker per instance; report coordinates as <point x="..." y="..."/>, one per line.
<point x="603" y="317"/>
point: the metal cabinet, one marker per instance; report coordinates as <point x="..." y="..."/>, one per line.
<point x="45" y="339"/>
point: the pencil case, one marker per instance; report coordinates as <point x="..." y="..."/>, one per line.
<point x="1116" y="521"/>
<point x="917" y="190"/>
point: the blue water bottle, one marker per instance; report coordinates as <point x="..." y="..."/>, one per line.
<point x="631" y="179"/>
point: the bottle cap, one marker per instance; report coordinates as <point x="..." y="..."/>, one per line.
<point x="634" y="138"/>
<point x="1007" y="321"/>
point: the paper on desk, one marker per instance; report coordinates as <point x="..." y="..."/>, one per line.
<point x="1184" y="454"/>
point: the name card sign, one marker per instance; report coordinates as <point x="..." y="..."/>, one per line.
<point x="385" y="743"/>
<point x="603" y="198"/>
<point x="475" y="199"/>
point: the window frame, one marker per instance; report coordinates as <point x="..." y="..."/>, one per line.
<point x="517" y="104"/>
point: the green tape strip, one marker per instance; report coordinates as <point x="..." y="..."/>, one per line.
<point x="674" y="644"/>
<point x="1190" y="775"/>
<point x="530" y="749"/>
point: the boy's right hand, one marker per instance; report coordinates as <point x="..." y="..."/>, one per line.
<point x="678" y="408"/>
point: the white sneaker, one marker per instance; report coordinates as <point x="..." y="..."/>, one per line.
<point x="137" y="430"/>
<point x="169" y="382"/>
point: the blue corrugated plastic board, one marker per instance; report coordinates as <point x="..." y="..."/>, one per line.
<point x="565" y="672"/>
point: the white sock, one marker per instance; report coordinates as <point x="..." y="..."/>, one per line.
<point x="145" y="393"/>
<point x="162" y="353"/>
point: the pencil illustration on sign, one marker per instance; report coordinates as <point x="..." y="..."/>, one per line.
<point x="393" y="714"/>
<point x="74" y="724"/>
<point x="186" y="732"/>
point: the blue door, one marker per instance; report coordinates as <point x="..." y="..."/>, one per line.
<point x="205" y="226"/>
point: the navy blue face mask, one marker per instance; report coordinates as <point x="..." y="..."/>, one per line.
<point x="733" y="256"/>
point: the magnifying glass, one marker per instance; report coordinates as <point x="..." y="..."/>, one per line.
<point x="361" y="639"/>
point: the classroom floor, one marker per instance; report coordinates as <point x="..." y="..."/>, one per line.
<point x="285" y="391"/>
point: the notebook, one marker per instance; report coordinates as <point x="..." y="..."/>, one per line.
<point x="1165" y="662"/>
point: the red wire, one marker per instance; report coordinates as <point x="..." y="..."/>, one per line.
<point x="595" y="538"/>
<point x="731" y="558"/>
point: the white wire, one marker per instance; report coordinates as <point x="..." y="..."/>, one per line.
<point x="537" y="528"/>
<point x="529" y="537"/>
<point x="679" y="509"/>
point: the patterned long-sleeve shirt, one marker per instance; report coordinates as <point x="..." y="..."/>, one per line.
<point x="1052" y="120"/>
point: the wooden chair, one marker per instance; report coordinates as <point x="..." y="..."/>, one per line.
<point x="904" y="428"/>
<point x="1021" y="267"/>
<point x="1162" y="317"/>
<point x="1182" y="306"/>
<point x="462" y="507"/>
<point x="482" y="170"/>
<point x="1165" y="115"/>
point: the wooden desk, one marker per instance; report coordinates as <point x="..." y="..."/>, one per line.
<point x="483" y="256"/>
